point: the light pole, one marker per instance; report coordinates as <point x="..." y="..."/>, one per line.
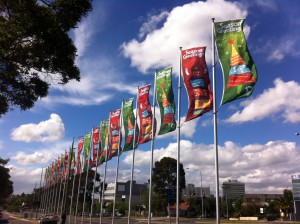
<point x="201" y="189"/>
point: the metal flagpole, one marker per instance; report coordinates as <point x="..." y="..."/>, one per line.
<point x="215" y="125"/>
<point x="152" y="149"/>
<point x="86" y="178"/>
<point x="178" y="141"/>
<point x="133" y="156"/>
<point x="74" y="177"/>
<point x="39" y="197"/>
<point x="65" y="177"/>
<point x="68" y="174"/>
<point x="103" y="186"/>
<point x="59" y="193"/>
<point x="33" y="200"/>
<point x="92" y="204"/>
<point x="117" y="168"/>
<point x="78" y="189"/>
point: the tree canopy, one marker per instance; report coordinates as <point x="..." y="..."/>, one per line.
<point x="6" y="185"/>
<point x="35" y="48"/>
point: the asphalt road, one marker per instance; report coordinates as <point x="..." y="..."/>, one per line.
<point x="13" y="220"/>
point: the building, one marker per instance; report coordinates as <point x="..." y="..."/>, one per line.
<point x="261" y="199"/>
<point x="191" y="190"/>
<point x="232" y="189"/>
<point x="123" y="191"/>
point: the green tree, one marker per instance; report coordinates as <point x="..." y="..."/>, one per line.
<point x="165" y="176"/>
<point x="237" y="207"/>
<point x="36" y="49"/>
<point x="6" y="185"/>
<point x="286" y="202"/>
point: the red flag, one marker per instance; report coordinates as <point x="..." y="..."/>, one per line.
<point x="79" y="149"/>
<point x="145" y="114"/>
<point x="95" y="144"/>
<point x="196" y="81"/>
<point x="114" y="132"/>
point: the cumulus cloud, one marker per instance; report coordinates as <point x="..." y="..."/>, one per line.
<point x="183" y="26"/>
<point x="276" y="101"/>
<point x="45" y="131"/>
<point x="262" y="167"/>
<point x="36" y="157"/>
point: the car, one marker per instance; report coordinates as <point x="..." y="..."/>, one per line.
<point x="271" y="217"/>
<point x="118" y="214"/>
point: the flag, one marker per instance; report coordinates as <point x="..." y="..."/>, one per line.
<point x="145" y="115"/>
<point x="105" y="144"/>
<point x="165" y="100"/>
<point x="72" y="163"/>
<point x="239" y="70"/>
<point x="128" y="124"/>
<point x="87" y="150"/>
<point x="79" y="150"/>
<point x="196" y="82"/>
<point x="95" y="145"/>
<point x="114" y="132"/>
<point x="66" y="165"/>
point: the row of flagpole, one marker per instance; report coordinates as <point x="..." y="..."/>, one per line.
<point x="50" y="199"/>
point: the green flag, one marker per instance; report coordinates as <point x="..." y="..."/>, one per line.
<point x="165" y="99"/>
<point x="128" y="123"/>
<point x="87" y="150"/>
<point x="104" y="125"/>
<point x="239" y="70"/>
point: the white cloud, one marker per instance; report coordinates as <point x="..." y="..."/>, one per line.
<point x="262" y="167"/>
<point x="36" y="157"/>
<point x="279" y="101"/>
<point x="185" y="27"/>
<point x="45" y="131"/>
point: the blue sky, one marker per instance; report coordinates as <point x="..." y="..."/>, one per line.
<point x="120" y="46"/>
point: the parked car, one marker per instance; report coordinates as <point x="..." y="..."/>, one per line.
<point x="271" y="217"/>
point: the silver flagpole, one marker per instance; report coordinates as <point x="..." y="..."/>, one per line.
<point x="103" y="184"/>
<point x="59" y="193"/>
<point x="44" y="192"/>
<point x="86" y="178"/>
<point x="33" y="200"/>
<point x="133" y="156"/>
<point x="94" y="176"/>
<point x="40" y="196"/>
<point x="78" y="189"/>
<point x="178" y="141"/>
<point x="74" y="177"/>
<point x="55" y="191"/>
<point x="215" y="125"/>
<point x="118" y="161"/>
<point x="152" y="149"/>
<point x="63" y="196"/>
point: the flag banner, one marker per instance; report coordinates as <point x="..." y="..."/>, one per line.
<point x="95" y="145"/>
<point x="165" y="100"/>
<point x="196" y="81"/>
<point x="239" y="70"/>
<point x="66" y="165"/>
<point x="79" y="150"/>
<point x="114" y="132"/>
<point x="72" y="162"/>
<point x="145" y="115"/>
<point x="128" y="124"/>
<point x="87" y="150"/>
<point x="105" y="144"/>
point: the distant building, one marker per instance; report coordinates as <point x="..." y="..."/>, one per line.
<point x="191" y="190"/>
<point x="232" y="189"/>
<point x="123" y="191"/>
<point x="262" y="199"/>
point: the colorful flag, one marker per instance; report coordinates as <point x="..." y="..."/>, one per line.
<point x="66" y="165"/>
<point x="72" y="163"/>
<point x="145" y="115"/>
<point x="79" y="150"/>
<point x="165" y="99"/>
<point x="95" y="145"/>
<point x="114" y="132"/>
<point x="196" y="81"/>
<point x="239" y="70"/>
<point x="105" y="144"/>
<point x="87" y="150"/>
<point x="128" y="124"/>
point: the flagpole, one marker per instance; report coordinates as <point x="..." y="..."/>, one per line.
<point x="86" y="178"/>
<point x="118" y="161"/>
<point x="78" y="189"/>
<point x="103" y="184"/>
<point x="152" y="149"/>
<point x="92" y="204"/>
<point x="59" y="193"/>
<point x="215" y="125"/>
<point x="68" y="173"/>
<point x="178" y="141"/>
<point x="39" y="197"/>
<point x="33" y="200"/>
<point x="65" y="177"/>
<point x="133" y="157"/>
<point x="73" y="185"/>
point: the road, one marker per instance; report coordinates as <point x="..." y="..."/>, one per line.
<point x="15" y="220"/>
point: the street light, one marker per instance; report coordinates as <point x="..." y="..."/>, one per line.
<point x="201" y="189"/>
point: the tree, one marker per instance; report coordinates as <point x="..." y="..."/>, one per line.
<point x="165" y="176"/>
<point x="36" y="49"/>
<point x="286" y="202"/>
<point x="6" y="185"/>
